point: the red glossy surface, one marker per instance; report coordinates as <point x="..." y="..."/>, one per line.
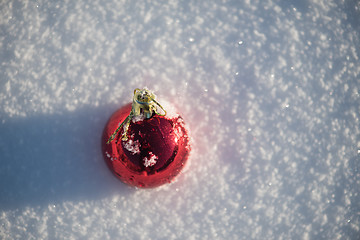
<point x="155" y="152"/>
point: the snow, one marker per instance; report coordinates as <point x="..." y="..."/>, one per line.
<point x="132" y="146"/>
<point x="269" y="90"/>
<point x="151" y="161"/>
<point x="138" y="118"/>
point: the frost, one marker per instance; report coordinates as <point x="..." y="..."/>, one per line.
<point x="149" y="162"/>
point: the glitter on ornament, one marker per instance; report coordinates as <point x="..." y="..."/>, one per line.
<point x="143" y="144"/>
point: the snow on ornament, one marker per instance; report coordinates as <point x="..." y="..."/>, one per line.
<point x="143" y="144"/>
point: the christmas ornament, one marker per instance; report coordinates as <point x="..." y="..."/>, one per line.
<point x="143" y="144"/>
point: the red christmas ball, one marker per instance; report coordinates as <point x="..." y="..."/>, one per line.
<point x="153" y="153"/>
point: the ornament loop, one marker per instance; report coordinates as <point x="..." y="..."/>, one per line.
<point x="144" y="106"/>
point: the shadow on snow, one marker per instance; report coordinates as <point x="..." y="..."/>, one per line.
<point x="51" y="159"/>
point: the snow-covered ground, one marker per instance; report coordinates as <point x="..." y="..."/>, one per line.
<point x="269" y="90"/>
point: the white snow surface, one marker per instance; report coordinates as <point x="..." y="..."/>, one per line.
<point x="269" y="90"/>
